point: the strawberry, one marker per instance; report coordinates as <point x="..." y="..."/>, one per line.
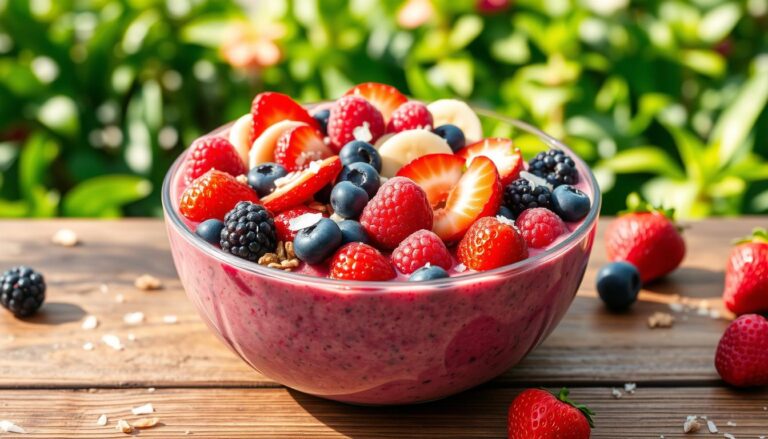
<point x="212" y="153"/>
<point x="647" y="238"/>
<point x="507" y="158"/>
<point x="437" y="174"/>
<point x="283" y="219"/>
<point x="477" y="194"/>
<point x="269" y="108"/>
<point x="419" y="249"/>
<point x="746" y="275"/>
<point x="490" y="243"/>
<point x="399" y="208"/>
<point x="358" y="261"/>
<point x="351" y="116"/>
<point x="303" y="185"/>
<point x="212" y="195"/>
<point x="540" y="226"/>
<point x="410" y="116"/>
<point x="742" y="354"/>
<point x="384" y="97"/>
<point x="299" y="146"/>
<point x="536" y="413"/>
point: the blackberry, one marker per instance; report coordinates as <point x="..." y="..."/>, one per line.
<point x="22" y="291"/>
<point x="554" y="166"/>
<point x="521" y="194"/>
<point x="249" y="231"/>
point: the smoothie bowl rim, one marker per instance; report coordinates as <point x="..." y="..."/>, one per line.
<point x="586" y="226"/>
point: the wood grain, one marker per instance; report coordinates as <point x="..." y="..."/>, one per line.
<point x="589" y="346"/>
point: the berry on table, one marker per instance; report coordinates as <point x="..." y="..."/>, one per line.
<point x="540" y="226"/>
<point x="555" y="166"/>
<point x="300" y="146"/>
<point x="22" y="291"/>
<point x="383" y="96"/>
<point x="283" y="222"/>
<point x="570" y="203"/>
<point x="212" y="195"/>
<point x="523" y="194"/>
<point x="618" y="284"/>
<point x="746" y="275"/>
<point x="537" y="413"/>
<point x="351" y="117"/>
<point x="249" y="231"/>
<point x="399" y="208"/>
<point x="322" y="120"/>
<point x="428" y="272"/>
<point x="210" y="230"/>
<point x="419" y="249"/>
<point x="359" y="151"/>
<point x="362" y="175"/>
<point x="358" y="261"/>
<point x="212" y="153"/>
<point x="316" y="243"/>
<point x="348" y="200"/>
<point x="452" y="134"/>
<point x="352" y="231"/>
<point x="410" y="116"/>
<point x="491" y="243"/>
<point x="262" y="177"/>
<point x="269" y="108"/>
<point x="742" y="353"/>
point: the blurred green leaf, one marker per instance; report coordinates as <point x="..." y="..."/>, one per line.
<point x="719" y="22"/>
<point x="464" y="31"/>
<point x="59" y="113"/>
<point x="691" y="151"/>
<point x="206" y="31"/>
<point x="102" y="196"/>
<point x="36" y="157"/>
<point x="647" y="159"/>
<point x="705" y="62"/>
<point x="13" y="209"/>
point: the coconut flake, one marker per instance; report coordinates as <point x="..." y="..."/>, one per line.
<point x="314" y="167"/>
<point x="133" y="318"/>
<point x="112" y="341"/>
<point x="363" y="132"/>
<point x="535" y="180"/>
<point x="65" y="238"/>
<point x="131" y="337"/>
<point x="460" y="268"/>
<point x="505" y="220"/>
<point x="10" y="427"/>
<point x="676" y="307"/>
<point x="90" y="322"/>
<point x="102" y="421"/>
<point x="730" y="424"/>
<point x="304" y="221"/>
<point x="88" y="346"/>
<point x="143" y="409"/>
<point x="711" y="427"/>
<point x="729" y="436"/>
<point x="616" y="393"/>
<point x="335" y="217"/>
<point x="170" y="319"/>
<point x="119" y="298"/>
<point x="691" y="425"/>
<point x="630" y="387"/>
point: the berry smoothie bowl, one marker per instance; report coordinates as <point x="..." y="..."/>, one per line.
<point x="375" y="250"/>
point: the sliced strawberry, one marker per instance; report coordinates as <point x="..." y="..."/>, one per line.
<point x="476" y="195"/>
<point x="299" y="146"/>
<point x="437" y="174"/>
<point x="384" y="97"/>
<point x="303" y="185"/>
<point x="269" y="108"/>
<point x="507" y="158"/>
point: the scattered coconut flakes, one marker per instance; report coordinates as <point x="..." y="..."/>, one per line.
<point x="303" y="221"/>
<point x="691" y="425"/>
<point x="289" y="177"/>
<point x="505" y="220"/>
<point x="143" y="409"/>
<point x="90" y="322"/>
<point x="124" y="426"/>
<point x="711" y="427"/>
<point x="10" y="427"/>
<point x="170" y="319"/>
<point x="65" y="238"/>
<point x="729" y="436"/>
<point x="660" y="320"/>
<point x="147" y="282"/>
<point x="112" y="341"/>
<point x="88" y="346"/>
<point x="535" y="180"/>
<point x="145" y="422"/>
<point x="616" y="393"/>
<point x="102" y="421"/>
<point x="460" y="268"/>
<point x="363" y="132"/>
<point x="630" y="387"/>
<point x="730" y="424"/>
<point x="314" y="167"/>
<point x="242" y="179"/>
<point x="335" y="217"/>
<point x="151" y="390"/>
<point x="133" y="318"/>
<point x="119" y="298"/>
<point x="676" y="307"/>
<point x="104" y="288"/>
<point x="131" y="337"/>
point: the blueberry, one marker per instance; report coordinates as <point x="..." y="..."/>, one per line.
<point x="262" y="177"/>
<point x="353" y="231"/>
<point x="506" y="213"/>
<point x="348" y="200"/>
<point x="428" y="272"/>
<point x="324" y="194"/>
<point x="358" y="151"/>
<point x="316" y="243"/>
<point x="452" y="134"/>
<point x="210" y="230"/>
<point x="362" y="175"/>
<point x="618" y="284"/>
<point x="322" y="119"/>
<point x="570" y="203"/>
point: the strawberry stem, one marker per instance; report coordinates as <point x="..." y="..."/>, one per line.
<point x="586" y="411"/>
<point x="759" y="234"/>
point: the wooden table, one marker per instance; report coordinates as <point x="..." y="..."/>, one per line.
<point x="52" y="387"/>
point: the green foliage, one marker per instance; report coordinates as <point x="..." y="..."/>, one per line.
<point x="664" y="97"/>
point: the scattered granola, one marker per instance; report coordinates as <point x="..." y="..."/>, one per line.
<point x="730" y="424"/>
<point x="729" y="436"/>
<point x="65" y="238"/>
<point x="143" y="409"/>
<point x="151" y="390"/>
<point x="630" y="387"/>
<point x="112" y="341"/>
<point x="691" y="424"/>
<point x="124" y="426"/>
<point x="10" y="427"/>
<point x="88" y="346"/>
<point x="711" y="427"/>
<point x="102" y="421"/>
<point x="133" y="318"/>
<point x="616" y="393"/>
<point x="147" y="282"/>
<point x="145" y="423"/>
<point x="660" y="320"/>
<point x="284" y="257"/>
<point x="170" y="319"/>
<point x="90" y="322"/>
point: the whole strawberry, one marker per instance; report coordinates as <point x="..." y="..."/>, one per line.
<point x="490" y="243"/>
<point x="352" y="115"/>
<point x="419" y="249"/>
<point x="647" y="238"/>
<point x="212" y="153"/>
<point x="399" y="208"/>
<point x="742" y="354"/>
<point x="212" y="195"/>
<point x="746" y="275"/>
<point x="358" y="261"/>
<point x="538" y="414"/>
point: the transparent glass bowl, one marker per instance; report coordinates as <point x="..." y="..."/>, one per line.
<point x="383" y="342"/>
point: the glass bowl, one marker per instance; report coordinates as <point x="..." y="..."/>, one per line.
<point x="391" y="342"/>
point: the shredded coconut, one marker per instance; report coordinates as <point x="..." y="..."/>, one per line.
<point x="133" y="318"/>
<point x="616" y="393"/>
<point x="88" y="346"/>
<point x="303" y="221"/>
<point x="460" y="268"/>
<point x="170" y="319"/>
<point x="112" y="341"/>
<point x="711" y="427"/>
<point x="363" y="132"/>
<point x="505" y="220"/>
<point x="143" y="409"/>
<point x="10" y="427"/>
<point x="131" y="337"/>
<point x="102" y="421"/>
<point x="729" y="436"/>
<point x="535" y="180"/>
<point x="90" y="322"/>
<point x="314" y="167"/>
<point x="630" y="387"/>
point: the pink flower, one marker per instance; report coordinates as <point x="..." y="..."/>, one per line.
<point x="249" y="47"/>
<point x="414" y="13"/>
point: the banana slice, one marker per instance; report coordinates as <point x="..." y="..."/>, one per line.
<point x="240" y="135"/>
<point x="382" y="139"/>
<point x="458" y="113"/>
<point x="405" y="146"/>
<point x="263" y="148"/>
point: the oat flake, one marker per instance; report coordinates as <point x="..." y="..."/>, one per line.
<point x="90" y="322"/>
<point x="143" y="409"/>
<point x="102" y="421"/>
<point x="10" y="427"/>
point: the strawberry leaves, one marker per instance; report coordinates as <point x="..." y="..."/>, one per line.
<point x="586" y="411"/>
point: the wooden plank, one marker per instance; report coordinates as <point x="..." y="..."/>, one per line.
<point x="590" y="345"/>
<point x="278" y="413"/>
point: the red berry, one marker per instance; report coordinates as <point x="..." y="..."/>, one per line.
<point x="399" y="208"/>
<point x="212" y="195"/>
<point x="299" y="146"/>
<point x="283" y="219"/>
<point x="536" y="413"/>
<point x="269" y="108"/>
<point x="419" y="249"/>
<point x="350" y="113"/>
<point x="491" y="243"/>
<point x="384" y="97"/>
<point x="746" y="275"/>
<point x="410" y="116"/>
<point x="437" y="174"/>
<point x="507" y="158"/>
<point x="212" y="153"/>
<point x="742" y="354"/>
<point x="358" y="261"/>
<point x="540" y="226"/>
<point x="303" y="185"/>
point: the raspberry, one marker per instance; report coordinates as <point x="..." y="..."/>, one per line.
<point x="358" y="261"/>
<point x="419" y="249"/>
<point x="349" y="113"/>
<point x="282" y="222"/>
<point x="521" y="194"/>
<point x="410" y="116"/>
<point x="249" y="231"/>
<point x="399" y="208"/>
<point x="540" y="226"/>
<point x="555" y="166"/>
<point x="491" y="243"/>
<point x="212" y="153"/>
<point x="212" y="195"/>
<point x="22" y="291"/>
<point x="743" y="352"/>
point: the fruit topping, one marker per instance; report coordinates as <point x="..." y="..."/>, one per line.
<point x="404" y="147"/>
<point x="358" y="261"/>
<point x="437" y="174"/>
<point x="353" y="231"/>
<point x="210" y="230"/>
<point x="555" y="166"/>
<point x="302" y="185"/>
<point x="269" y="108"/>
<point x="249" y="231"/>
<point x="524" y="194"/>
<point x="452" y="134"/>
<point x="321" y="117"/>
<point x="384" y="97"/>
<point x="419" y="249"/>
<point x="540" y="227"/>
<point x="262" y="178"/>
<point x="263" y="148"/>
<point x="354" y="118"/>
<point x="570" y="203"/>
<point x="348" y="200"/>
<point x="299" y="146"/>
<point x="410" y="116"/>
<point x="212" y="153"/>
<point x="212" y="195"/>
<point x="507" y="158"/>
<point x="362" y="175"/>
<point x="399" y="208"/>
<point x="428" y="272"/>
<point x="284" y="219"/>
<point x="491" y="243"/>
<point x="316" y="243"/>
<point x="358" y="151"/>
<point x="458" y="113"/>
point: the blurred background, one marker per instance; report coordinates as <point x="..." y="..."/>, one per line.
<point x="665" y="97"/>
